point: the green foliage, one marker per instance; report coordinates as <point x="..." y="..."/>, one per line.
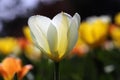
<point x="89" y="67"/>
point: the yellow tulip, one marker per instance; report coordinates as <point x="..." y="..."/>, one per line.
<point x="9" y="45"/>
<point x="94" y="30"/>
<point x="32" y="52"/>
<point x="55" y="37"/>
<point x="117" y="19"/>
<point x="11" y="66"/>
<point x="26" y="32"/>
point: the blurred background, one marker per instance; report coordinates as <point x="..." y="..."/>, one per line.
<point x="14" y="14"/>
<point x="96" y="55"/>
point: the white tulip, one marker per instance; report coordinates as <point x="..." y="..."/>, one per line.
<point x="55" y="37"/>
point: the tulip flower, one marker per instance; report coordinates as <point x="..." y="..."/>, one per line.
<point x="26" y="32"/>
<point x="81" y="48"/>
<point x="115" y="34"/>
<point x="9" y="45"/>
<point x="56" y="37"/>
<point x="32" y="52"/>
<point x="11" y="66"/>
<point x="94" y="30"/>
<point x="22" y="43"/>
<point x="108" y="45"/>
<point x="117" y="19"/>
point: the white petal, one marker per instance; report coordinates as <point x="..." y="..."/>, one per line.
<point x="42" y="22"/>
<point x="76" y="18"/>
<point x="69" y="17"/>
<point x="52" y="37"/>
<point x="36" y="44"/>
<point x="57" y="20"/>
<point x="59" y="17"/>
<point x="38" y="34"/>
<point x="72" y="36"/>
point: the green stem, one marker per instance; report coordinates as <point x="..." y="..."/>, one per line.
<point x="56" y="71"/>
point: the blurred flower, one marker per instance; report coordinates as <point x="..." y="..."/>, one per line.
<point x="26" y="32"/>
<point x="109" y="68"/>
<point x="55" y="37"/>
<point x="115" y="34"/>
<point x="94" y="30"/>
<point x="31" y="51"/>
<point x="23" y="42"/>
<point x="80" y="48"/>
<point x="117" y="19"/>
<point x="11" y="66"/>
<point x="9" y="45"/>
<point x="108" y="45"/>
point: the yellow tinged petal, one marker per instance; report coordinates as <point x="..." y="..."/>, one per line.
<point x="62" y="36"/>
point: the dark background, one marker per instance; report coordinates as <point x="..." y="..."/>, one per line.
<point x="85" y="8"/>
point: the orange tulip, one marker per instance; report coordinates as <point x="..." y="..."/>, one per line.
<point x="80" y="48"/>
<point x="23" y="43"/>
<point x="115" y="34"/>
<point x="11" y="66"/>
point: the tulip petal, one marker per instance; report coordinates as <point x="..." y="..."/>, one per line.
<point x="72" y="35"/>
<point x="38" y="34"/>
<point x="52" y="37"/>
<point x="76" y="18"/>
<point x="24" y="71"/>
<point x="58" y="19"/>
<point x="42" y="22"/>
<point x="69" y="17"/>
<point x="37" y="45"/>
<point x="11" y="66"/>
<point x="3" y="72"/>
<point x="61" y="23"/>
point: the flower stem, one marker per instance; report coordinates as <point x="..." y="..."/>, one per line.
<point x="56" y="71"/>
<point x="15" y="77"/>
